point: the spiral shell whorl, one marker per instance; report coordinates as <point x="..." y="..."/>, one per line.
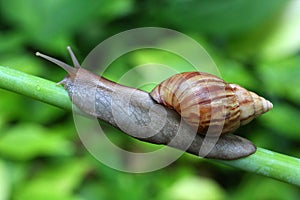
<point x="209" y="104"/>
<point x="203" y="101"/>
<point x="251" y="105"/>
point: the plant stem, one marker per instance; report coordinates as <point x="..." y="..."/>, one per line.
<point x="271" y="164"/>
<point x="263" y="162"/>
<point x="34" y="87"/>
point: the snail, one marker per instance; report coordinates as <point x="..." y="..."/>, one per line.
<point x="205" y="98"/>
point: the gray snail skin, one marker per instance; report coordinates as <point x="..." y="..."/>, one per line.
<point x="216" y="108"/>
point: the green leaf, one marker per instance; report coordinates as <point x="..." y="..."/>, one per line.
<point x="26" y="141"/>
<point x="194" y="188"/>
<point x="280" y="78"/>
<point x="234" y="72"/>
<point x="285" y="39"/>
<point x="5" y="182"/>
<point x="219" y="18"/>
<point x="57" y="181"/>
<point x="51" y="23"/>
<point x="11" y="42"/>
<point x="284" y="120"/>
<point x="254" y="187"/>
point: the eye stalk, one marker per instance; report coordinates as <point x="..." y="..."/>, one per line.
<point x="71" y="70"/>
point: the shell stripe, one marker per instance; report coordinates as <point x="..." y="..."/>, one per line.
<point x="207" y="102"/>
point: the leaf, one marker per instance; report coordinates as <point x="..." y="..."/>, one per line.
<point x="26" y="141"/>
<point x="219" y="18"/>
<point x="57" y="181"/>
<point x="280" y="78"/>
<point x="194" y="188"/>
<point x="51" y="23"/>
<point x="234" y="72"/>
<point x="255" y="187"/>
<point x="11" y="42"/>
<point x="285" y="39"/>
<point x="284" y="119"/>
<point x="4" y="181"/>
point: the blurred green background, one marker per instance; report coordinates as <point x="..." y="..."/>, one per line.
<point x="254" y="43"/>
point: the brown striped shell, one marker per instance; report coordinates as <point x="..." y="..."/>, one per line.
<point x="208" y="103"/>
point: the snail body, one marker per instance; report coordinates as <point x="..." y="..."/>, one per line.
<point x="205" y="102"/>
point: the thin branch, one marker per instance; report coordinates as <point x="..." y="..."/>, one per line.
<point x="263" y="162"/>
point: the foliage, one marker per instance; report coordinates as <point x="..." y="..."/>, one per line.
<point x="255" y="44"/>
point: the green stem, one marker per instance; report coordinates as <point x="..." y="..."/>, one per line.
<point x="271" y="164"/>
<point x="34" y="87"/>
<point x="263" y="162"/>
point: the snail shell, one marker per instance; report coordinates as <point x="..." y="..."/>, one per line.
<point x="208" y="103"/>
